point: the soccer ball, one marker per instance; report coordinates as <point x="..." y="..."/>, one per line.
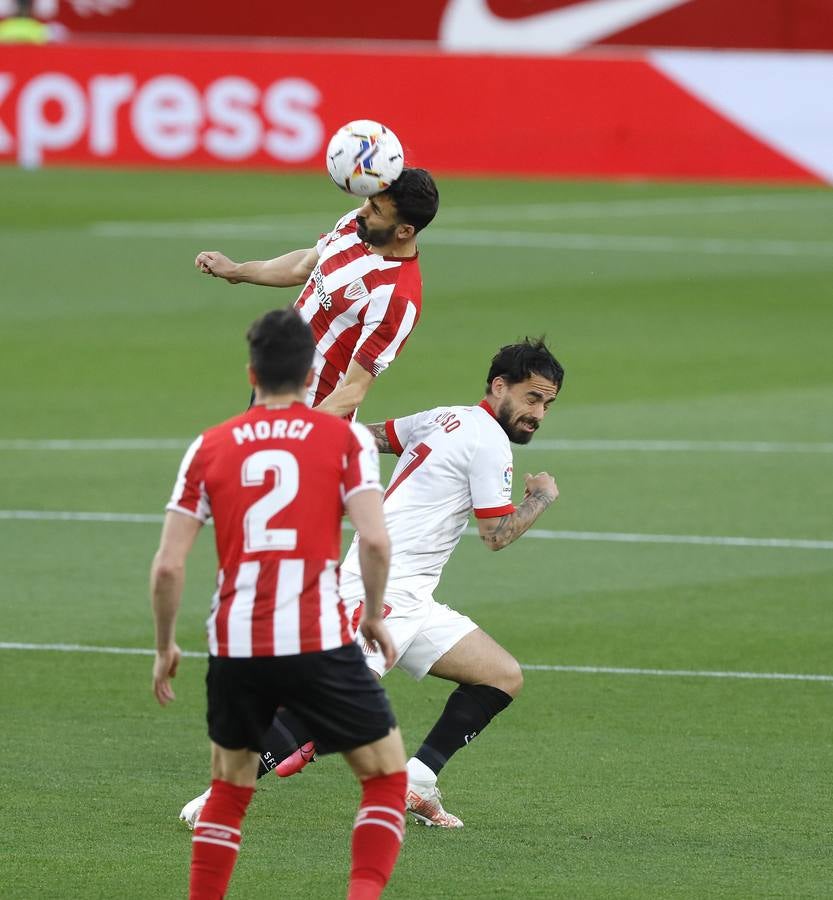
<point x="364" y="157"/>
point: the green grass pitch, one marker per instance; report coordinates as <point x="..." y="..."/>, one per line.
<point x="698" y="317"/>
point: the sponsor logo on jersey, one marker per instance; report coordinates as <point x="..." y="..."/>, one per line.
<point x="507" y="481"/>
<point x="323" y="297"/>
<point x="355" y="290"/>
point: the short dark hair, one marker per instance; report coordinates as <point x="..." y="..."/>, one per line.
<point x="281" y="347"/>
<point x="516" y="362"/>
<point x="415" y="197"/>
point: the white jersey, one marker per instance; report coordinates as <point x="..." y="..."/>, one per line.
<point x="453" y="460"/>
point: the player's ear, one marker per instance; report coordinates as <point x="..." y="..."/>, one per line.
<point x="498" y="386"/>
<point x="310" y="378"/>
<point x="405" y="232"/>
<point x="250" y="372"/>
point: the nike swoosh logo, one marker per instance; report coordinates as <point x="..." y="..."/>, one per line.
<point x="469" y="25"/>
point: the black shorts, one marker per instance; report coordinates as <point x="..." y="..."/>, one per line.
<point x="333" y="693"/>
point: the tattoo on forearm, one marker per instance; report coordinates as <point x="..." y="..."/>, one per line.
<point x="380" y="434"/>
<point x="510" y="527"/>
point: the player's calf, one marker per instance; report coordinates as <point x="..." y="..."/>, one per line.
<point x="467" y="712"/>
<point x="377" y="834"/>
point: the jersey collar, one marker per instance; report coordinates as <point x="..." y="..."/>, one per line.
<point x="484" y="404"/>
<point x="274" y="406"/>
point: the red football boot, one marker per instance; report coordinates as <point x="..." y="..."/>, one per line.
<point x="296" y="761"/>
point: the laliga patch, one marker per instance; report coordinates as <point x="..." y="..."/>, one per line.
<point x="506" y="490"/>
<point x="355" y="290"/>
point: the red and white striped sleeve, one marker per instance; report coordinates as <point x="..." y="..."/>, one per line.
<point x="361" y="463"/>
<point x="387" y="326"/>
<point x="189" y="495"/>
<point x="347" y="221"/>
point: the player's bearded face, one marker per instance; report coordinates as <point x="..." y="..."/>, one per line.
<point x="523" y="406"/>
<point x="376" y="237"/>
<point x="518" y="424"/>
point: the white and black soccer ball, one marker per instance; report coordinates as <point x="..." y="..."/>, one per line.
<point x="364" y="157"/>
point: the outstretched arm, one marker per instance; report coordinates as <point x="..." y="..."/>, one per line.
<point x="541" y="491"/>
<point x="283" y="271"/>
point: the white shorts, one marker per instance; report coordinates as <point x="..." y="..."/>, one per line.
<point x="422" y="631"/>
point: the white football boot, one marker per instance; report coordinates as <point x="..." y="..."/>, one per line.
<point x="423" y="802"/>
<point x="191" y="811"/>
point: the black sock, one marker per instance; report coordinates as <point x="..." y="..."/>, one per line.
<point x="286" y="733"/>
<point x="468" y="711"/>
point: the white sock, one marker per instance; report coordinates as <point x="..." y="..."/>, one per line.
<point x="419" y="772"/>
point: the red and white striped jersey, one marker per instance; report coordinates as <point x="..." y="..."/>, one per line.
<point x="275" y="480"/>
<point x="359" y="305"/>
<point x="452" y="460"/>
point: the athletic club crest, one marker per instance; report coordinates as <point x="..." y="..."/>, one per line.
<point x="355" y="290"/>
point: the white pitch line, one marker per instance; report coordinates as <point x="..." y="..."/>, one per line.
<point x="656" y="206"/>
<point x="267" y="224"/>
<point x="94" y="444"/>
<point x="567" y="444"/>
<point x="618" y="537"/>
<point x="51" y="515"/>
<point x="83" y="648"/>
<point x="581" y="670"/>
<point x="627" y="243"/>
<point x="660" y="446"/>
<point x="627" y="537"/>
<point x="531" y="240"/>
<point x="203" y="230"/>
<point x="678" y="673"/>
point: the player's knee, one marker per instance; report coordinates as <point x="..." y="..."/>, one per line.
<point x="393" y="757"/>
<point x="383" y="757"/>
<point x="511" y="677"/>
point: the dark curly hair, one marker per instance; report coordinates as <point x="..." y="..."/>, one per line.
<point x="516" y="362"/>
<point x="415" y="197"/>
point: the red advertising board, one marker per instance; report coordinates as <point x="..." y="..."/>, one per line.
<point x="233" y="106"/>
<point x="514" y="26"/>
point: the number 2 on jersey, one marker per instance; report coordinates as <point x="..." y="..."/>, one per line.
<point x="419" y="454"/>
<point x="256" y="535"/>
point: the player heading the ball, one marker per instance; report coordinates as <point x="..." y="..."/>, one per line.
<point x="362" y="288"/>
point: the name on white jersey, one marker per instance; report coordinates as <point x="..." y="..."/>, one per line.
<point x="448" y="422"/>
<point x="297" y="429"/>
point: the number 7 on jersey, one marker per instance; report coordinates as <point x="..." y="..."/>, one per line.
<point x="420" y="454"/>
